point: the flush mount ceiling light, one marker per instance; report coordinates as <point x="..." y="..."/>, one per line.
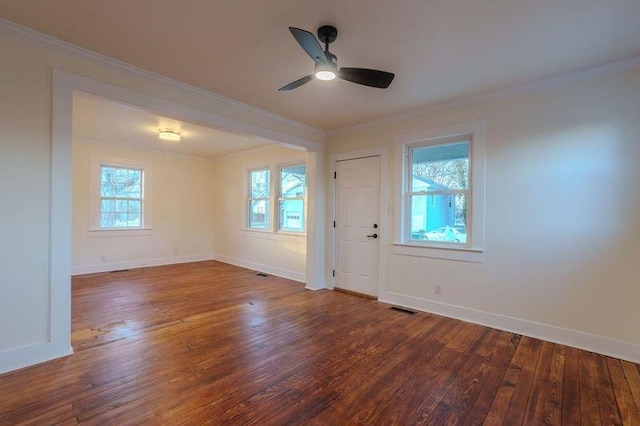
<point x="169" y="135"/>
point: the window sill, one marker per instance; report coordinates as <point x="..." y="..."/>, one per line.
<point x="137" y="232"/>
<point x="460" y="254"/>
<point x="266" y="233"/>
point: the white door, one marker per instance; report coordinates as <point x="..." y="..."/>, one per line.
<point x="357" y="225"/>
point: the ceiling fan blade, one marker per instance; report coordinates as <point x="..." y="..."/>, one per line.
<point x="309" y="43"/>
<point x="299" y="82"/>
<point x="367" y="77"/>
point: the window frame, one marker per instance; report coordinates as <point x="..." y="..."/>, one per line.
<point x="267" y="199"/>
<point x="115" y="198"/>
<point x="95" y="197"/>
<point x="409" y="193"/>
<point x="303" y="198"/>
<point x="473" y="250"/>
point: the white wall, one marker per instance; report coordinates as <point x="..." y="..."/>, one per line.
<point x="569" y="150"/>
<point x="562" y="246"/>
<point x="181" y="201"/>
<point x="25" y="118"/>
<point x="34" y="284"/>
<point x="282" y="254"/>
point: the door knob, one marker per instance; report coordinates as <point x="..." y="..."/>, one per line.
<point x="372" y="236"/>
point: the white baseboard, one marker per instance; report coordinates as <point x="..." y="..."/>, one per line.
<point x="269" y="269"/>
<point x="131" y="264"/>
<point x="14" y="359"/>
<point x="308" y="287"/>
<point x="577" y="339"/>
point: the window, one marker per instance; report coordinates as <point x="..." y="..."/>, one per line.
<point x="259" y="199"/>
<point x="292" y="198"/>
<point x="281" y="208"/>
<point x="438" y="185"/>
<point x="441" y="202"/>
<point x="119" y="197"/>
<point x="121" y="200"/>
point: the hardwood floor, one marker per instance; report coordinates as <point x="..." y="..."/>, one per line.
<point x="210" y="343"/>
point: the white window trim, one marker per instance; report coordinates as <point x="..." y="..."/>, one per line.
<point x="280" y="198"/>
<point x="474" y="252"/>
<point x="274" y="188"/>
<point x="96" y="161"/>
<point x="248" y="200"/>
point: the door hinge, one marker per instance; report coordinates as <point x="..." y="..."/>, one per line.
<point x="335" y="175"/>
<point x="334" y="223"/>
<point x="334" y="273"/>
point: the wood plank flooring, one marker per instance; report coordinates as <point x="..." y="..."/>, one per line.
<point x="210" y="343"/>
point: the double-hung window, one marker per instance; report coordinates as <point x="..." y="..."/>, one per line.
<point x="121" y="197"/>
<point x="259" y="203"/>
<point x="291" y="200"/>
<point x="442" y="193"/>
<point x="279" y="205"/>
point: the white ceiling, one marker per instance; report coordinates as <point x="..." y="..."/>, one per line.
<point x="439" y="49"/>
<point x="97" y="119"/>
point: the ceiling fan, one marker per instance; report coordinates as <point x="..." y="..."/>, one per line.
<point x="327" y="63"/>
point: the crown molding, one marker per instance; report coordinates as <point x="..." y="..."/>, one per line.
<point x="16" y="30"/>
<point x="19" y="31"/>
<point x="582" y="74"/>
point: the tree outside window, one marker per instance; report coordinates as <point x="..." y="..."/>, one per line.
<point x="121" y="197"/>
<point x="259" y="199"/>
<point x="439" y="191"/>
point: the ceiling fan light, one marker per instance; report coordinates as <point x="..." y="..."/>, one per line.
<point x="169" y="135"/>
<point x="326" y="71"/>
<point x="325" y="75"/>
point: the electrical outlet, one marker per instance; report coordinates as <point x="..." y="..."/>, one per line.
<point x="437" y="289"/>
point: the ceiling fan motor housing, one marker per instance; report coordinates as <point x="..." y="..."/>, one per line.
<point x="327" y="34"/>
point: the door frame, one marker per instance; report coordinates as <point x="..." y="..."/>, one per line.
<point x="386" y="210"/>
